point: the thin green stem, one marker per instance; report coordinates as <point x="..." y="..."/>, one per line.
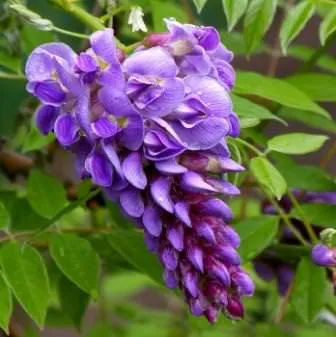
<point x="285" y="217"/>
<point x="8" y="76"/>
<point x="317" y="54"/>
<point x="67" y="32"/>
<point x="328" y="2"/>
<point x="306" y="223"/>
<point x="250" y="146"/>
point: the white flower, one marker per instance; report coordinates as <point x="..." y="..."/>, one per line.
<point x="136" y="19"/>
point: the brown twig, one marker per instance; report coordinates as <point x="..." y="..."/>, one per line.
<point x="329" y="155"/>
<point x="276" y="52"/>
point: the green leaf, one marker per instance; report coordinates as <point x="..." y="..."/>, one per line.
<point x="269" y="176"/>
<point x="73" y="301"/>
<point x="130" y="244"/>
<point x="258" y="19"/>
<point x="234" y="9"/>
<point x="296" y="143"/>
<point x="328" y="26"/>
<point x="6" y="305"/>
<point x="199" y="4"/>
<point x="75" y="257"/>
<point x="256" y="234"/>
<point x="295" y="21"/>
<point x="326" y="62"/>
<point x="319" y="87"/>
<point x="166" y="9"/>
<point x="309" y="178"/>
<point x="309" y="288"/>
<point x="10" y="62"/>
<point x="323" y="215"/>
<point x="308" y="118"/>
<point x="45" y="194"/>
<point x="26" y="274"/>
<point x="247" y="109"/>
<point x="276" y="90"/>
<point x="35" y="140"/>
<point x="4" y="216"/>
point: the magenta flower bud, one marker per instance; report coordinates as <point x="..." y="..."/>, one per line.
<point x="216" y="293"/>
<point x="156" y="39"/>
<point x="235" y="308"/>
<point x="211" y="313"/>
<point x="196" y="307"/>
<point x="324" y="256"/>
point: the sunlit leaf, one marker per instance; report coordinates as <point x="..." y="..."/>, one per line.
<point x="328" y="26"/>
<point x="26" y="274"/>
<point x="6" y="305"/>
<point x="234" y="9"/>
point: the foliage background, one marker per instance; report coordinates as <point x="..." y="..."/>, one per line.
<point x="126" y="302"/>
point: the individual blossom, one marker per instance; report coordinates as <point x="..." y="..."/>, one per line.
<point x="269" y="266"/>
<point x="151" y="129"/>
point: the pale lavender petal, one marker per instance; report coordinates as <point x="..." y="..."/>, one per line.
<point x="160" y="191"/>
<point x="182" y="212"/>
<point x="110" y="151"/>
<point x="175" y="236"/>
<point x="66" y="129"/>
<point x="154" y="61"/>
<point x="194" y="182"/>
<point x="223" y="186"/>
<point x="132" y="202"/>
<point x="170" y="166"/>
<point x="133" y="170"/>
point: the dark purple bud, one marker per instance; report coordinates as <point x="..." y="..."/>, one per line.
<point x="263" y="270"/>
<point x="211" y="313"/>
<point x="216" y="293"/>
<point x="196" y="307"/>
<point x="86" y="63"/>
<point x="284" y="275"/>
<point x="170" y="279"/>
<point x="227" y="254"/>
<point x="324" y="256"/>
<point x="45" y="118"/>
<point x="235" y="308"/>
<point x="175" y="236"/>
<point x="104" y="128"/>
<point x="235" y="125"/>
<point x="152" y="242"/>
<point x="217" y="270"/>
<point x="100" y="169"/>
<point x="244" y="283"/>
<point x="152" y="221"/>
<point x="194" y="254"/>
<point x="169" y="257"/>
<point x="50" y="92"/>
<point x="66" y="130"/>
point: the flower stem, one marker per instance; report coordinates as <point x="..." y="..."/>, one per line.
<point x="67" y="32"/>
<point x="249" y="145"/>
<point x="8" y="76"/>
<point x="306" y="223"/>
<point x="285" y="217"/>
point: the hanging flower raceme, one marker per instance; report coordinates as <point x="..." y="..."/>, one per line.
<point x="270" y="267"/>
<point x="150" y="130"/>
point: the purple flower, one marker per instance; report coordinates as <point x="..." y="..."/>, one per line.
<point x="324" y="256"/>
<point x="150" y="130"/>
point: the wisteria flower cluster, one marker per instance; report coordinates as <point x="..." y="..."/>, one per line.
<point x="150" y="128"/>
<point x="270" y="267"/>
